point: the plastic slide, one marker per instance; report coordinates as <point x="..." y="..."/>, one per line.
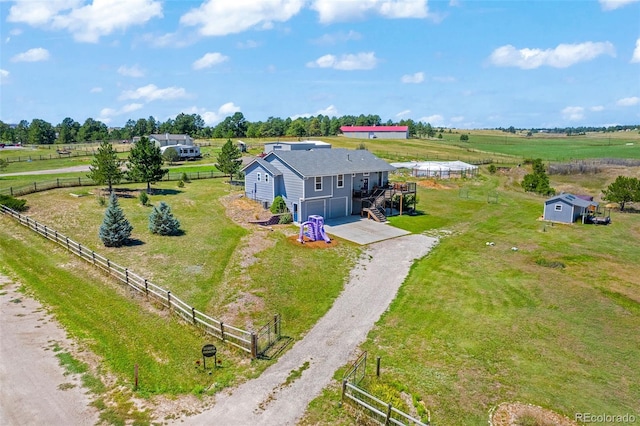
<point x="314" y="229"/>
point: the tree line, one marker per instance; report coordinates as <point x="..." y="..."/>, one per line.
<point x="69" y="131"/>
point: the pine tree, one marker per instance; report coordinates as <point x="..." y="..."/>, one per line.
<point x="105" y="166"/>
<point x="162" y="222"/>
<point x="115" y="229"/>
<point x="229" y="159"/>
<point x="145" y="163"/>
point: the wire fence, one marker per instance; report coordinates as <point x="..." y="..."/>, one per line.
<point x="245" y="340"/>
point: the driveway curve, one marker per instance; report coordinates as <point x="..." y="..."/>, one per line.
<point x="373" y="284"/>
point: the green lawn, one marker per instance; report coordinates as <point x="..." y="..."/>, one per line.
<point x="476" y="325"/>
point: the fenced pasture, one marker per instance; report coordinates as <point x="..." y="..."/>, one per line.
<point x="475" y="325"/>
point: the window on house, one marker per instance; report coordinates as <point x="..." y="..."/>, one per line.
<point x="340" y="181"/>
<point x="266" y="177"/>
<point x="558" y="207"/>
<point x="318" y="183"/>
<point x="365" y="174"/>
<point x="259" y="176"/>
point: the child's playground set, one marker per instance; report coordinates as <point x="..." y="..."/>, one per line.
<point x="313" y="229"/>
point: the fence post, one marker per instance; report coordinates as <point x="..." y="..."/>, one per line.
<point x="169" y="299"/>
<point x="35" y="187"/>
<point x="276" y="325"/>
<point x="193" y="315"/>
<point x="56" y="234"/>
<point x="254" y="345"/>
<point x="46" y="233"/>
<point x="66" y="238"/>
<point x="11" y="190"/>
<point x="126" y="275"/>
<point x="222" y="331"/>
<point x="344" y="391"/>
<point x="57" y="182"/>
<point x="93" y="256"/>
<point x="378" y="366"/>
<point x="109" y="265"/>
<point x="388" y="419"/>
<point x="80" y="250"/>
<point x="146" y="286"/>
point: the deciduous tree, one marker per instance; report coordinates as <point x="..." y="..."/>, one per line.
<point x="623" y="190"/>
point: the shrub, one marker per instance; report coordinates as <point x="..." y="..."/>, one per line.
<point x="492" y="168"/>
<point x="102" y="200"/>
<point x="13" y="203"/>
<point x="185" y="177"/>
<point x="464" y="138"/>
<point x="285" y="219"/>
<point x="115" y="229"/>
<point x="143" y="198"/>
<point x="180" y="184"/>
<point x="279" y="205"/>
<point x="162" y="222"/>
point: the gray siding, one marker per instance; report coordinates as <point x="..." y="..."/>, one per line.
<point x="565" y="214"/>
<point x="259" y="190"/>
<point x="290" y="184"/>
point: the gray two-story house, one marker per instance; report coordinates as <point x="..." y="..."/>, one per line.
<point x="325" y="182"/>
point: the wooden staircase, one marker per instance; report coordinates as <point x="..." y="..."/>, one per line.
<point x="375" y="214"/>
<point x="376" y="210"/>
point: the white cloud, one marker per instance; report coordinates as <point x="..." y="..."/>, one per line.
<point x="573" y="113"/>
<point x="625" y="102"/>
<point x="403" y="113"/>
<point x="218" y="18"/>
<point x="413" y="78"/>
<point x="4" y="75"/>
<point x="330" y="111"/>
<point x="563" y="56"/>
<point x="636" y="52"/>
<point x="87" y="22"/>
<point x="596" y="108"/>
<point x="331" y="10"/>
<point x="151" y="92"/>
<point x="134" y="71"/>
<point x="95" y="90"/>
<point x="434" y="120"/>
<point x="211" y="118"/>
<point x="339" y="37"/>
<point x="111" y="112"/>
<point x="32" y="55"/>
<point x="348" y="62"/>
<point x="615" y="4"/>
<point x="209" y="60"/>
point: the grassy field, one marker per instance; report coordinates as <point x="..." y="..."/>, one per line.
<point x="554" y="323"/>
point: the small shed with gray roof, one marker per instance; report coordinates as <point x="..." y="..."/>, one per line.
<point x="317" y="182"/>
<point x="567" y="208"/>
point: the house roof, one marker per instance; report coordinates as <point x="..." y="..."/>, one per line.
<point x="344" y="129"/>
<point x="329" y="162"/>
<point x="265" y="165"/>
<point x="168" y="136"/>
<point x="571" y="199"/>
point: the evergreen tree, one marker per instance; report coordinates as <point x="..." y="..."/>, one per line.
<point x="162" y="222"/>
<point x="623" y="190"/>
<point x="229" y="159"/>
<point x="105" y="166"/>
<point x="145" y="163"/>
<point x="538" y="181"/>
<point x="115" y="229"/>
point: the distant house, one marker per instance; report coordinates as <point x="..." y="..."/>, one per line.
<point x="326" y="182"/>
<point x="167" y="139"/>
<point x="374" y="132"/>
<point x="567" y="208"/>
<point x="295" y="146"/>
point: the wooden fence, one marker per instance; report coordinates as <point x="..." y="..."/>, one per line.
<point x="247" y="341"/>
<point x="16" y="191"/>
<point x="378" y="411"/>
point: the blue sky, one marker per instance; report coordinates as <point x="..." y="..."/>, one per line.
<point x="462" y="64"/>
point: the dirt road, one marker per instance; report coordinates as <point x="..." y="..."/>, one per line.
<point x="373" y="284"/>
<point x="33" y="387"/>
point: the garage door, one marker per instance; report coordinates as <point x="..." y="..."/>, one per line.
<point x="338" y="207"/>
<point x="315" y="207"/>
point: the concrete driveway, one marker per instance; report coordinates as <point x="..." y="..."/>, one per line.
<point x="361" y="230"/>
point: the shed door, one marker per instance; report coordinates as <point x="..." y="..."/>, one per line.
<point x="314" y="207"/>
<point x="338" y="207"/>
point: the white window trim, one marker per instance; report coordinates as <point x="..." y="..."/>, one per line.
<point x="365" y="174"/>
<point x="315" y="183"/>
<point x="558" y="207"/>
<point x="340" y="181"/>
<point x="259" y="176"/>
<point x="266" y="177"/>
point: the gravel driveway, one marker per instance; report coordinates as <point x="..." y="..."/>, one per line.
<point x="328" y="346"/>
